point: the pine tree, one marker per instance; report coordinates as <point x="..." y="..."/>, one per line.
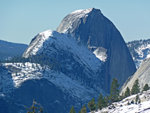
<point x="72" y="110"/>
<point x="106" y="99"/>
<point x="83" y="110"/>
<point x="114" y="91"/>
<point x="137" y="99"/>
<point x="127" y="92"/>
<point x="92" y="105"/>
<point x="35" y="108"/>
<point x="146" y="87"/>
<point x="101" y="102"/>
<point x="136" y="88"/>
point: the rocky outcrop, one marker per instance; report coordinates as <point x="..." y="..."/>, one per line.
<point x="142" y="74"/>
<point x="92" y="29"/>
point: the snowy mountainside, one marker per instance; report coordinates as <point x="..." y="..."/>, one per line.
<point x="49" y="41"/>
<point x="49" y="87"/>
<point x="126" y="105"/>
<point x="24" y="82"/>
<point x="140" y="50"/>
<point x="68" y="57"/>
<point x="18" y="73"/>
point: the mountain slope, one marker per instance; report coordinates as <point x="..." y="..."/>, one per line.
<point x="66" y="56"/>
<point x="140" y="50"/>
<point x="56" y="92"/>
<point x="142" y="74"/>
<point x="92" y="29"/>
<point x="72" y="69"/>
<point x="8" y="49"/>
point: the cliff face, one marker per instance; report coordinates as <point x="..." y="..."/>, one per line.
<point x="92" y="29"/>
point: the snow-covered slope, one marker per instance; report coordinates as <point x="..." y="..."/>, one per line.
<point x="126" y="105"/>
<point x="16" y="78"/>
<point x="68" y="57"/>
<point x="140" y="50"/>
<point x="49" y="42"/>
<point x="14" y="74"/>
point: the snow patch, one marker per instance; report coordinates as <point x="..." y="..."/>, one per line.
<point x="124" y="107"/>
<point x="101" y="53"/>
<point x="46" y="34"/>
<point x="82" y="12"/>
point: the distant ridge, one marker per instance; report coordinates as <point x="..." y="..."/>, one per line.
<point x="9" y="49"/>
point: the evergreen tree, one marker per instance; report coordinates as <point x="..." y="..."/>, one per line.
<point x="72" y="110"/>
<point x="92" y="105"/>
<point x="102" y="102"/>
<point x="136" y="88"/>
<point x="106" y="99"/>
<point x="83" y="110"/>
<point x="137" y="99"/>
<point x="35" y="108"/>
<point x="127" y="92"/>
<point x="114" y="91"/>
<point x="146" y="87"/>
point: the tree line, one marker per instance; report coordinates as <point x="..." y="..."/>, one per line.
<point x="104" y="101"/>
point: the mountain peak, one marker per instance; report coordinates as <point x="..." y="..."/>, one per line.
<point x="46" y="34"/>
<point x="85" y="11"/>
<point x="76" y="17"/>
<point x="92" y="29"/>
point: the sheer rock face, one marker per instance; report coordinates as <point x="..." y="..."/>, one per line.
<point x="92" y="29"/>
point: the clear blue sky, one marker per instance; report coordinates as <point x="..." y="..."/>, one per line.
<point x="21" y="20"/>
